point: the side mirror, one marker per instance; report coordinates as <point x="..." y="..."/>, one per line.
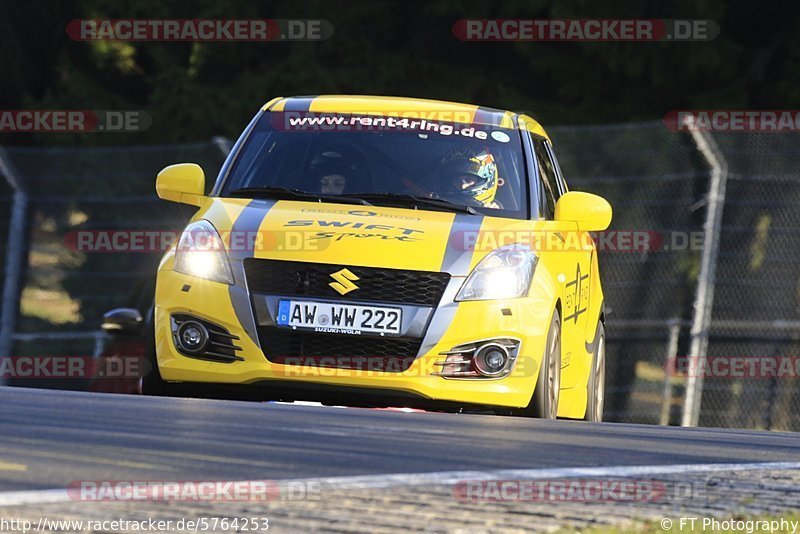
<point x="591" y="212"/>
<point x="123" y="321"/>
<point x="183" y="182"/>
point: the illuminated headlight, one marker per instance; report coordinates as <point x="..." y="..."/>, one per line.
<point x="503" y="274"/>
<point x="201" y="253"/>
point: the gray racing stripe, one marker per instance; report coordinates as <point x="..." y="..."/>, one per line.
<point x="443" y="316"/>
<point x="488" y="116"/>
<point x="458" y="254"/>
<point x="456" y="261"/>
<point x="248" y="221"/>
<point x="299" y="103"/>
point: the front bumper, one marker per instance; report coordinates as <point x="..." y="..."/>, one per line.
<point x="452" y="324"/>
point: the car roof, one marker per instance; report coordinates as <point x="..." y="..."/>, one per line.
<point x="406" y="107"/>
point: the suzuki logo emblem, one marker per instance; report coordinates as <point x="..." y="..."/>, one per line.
<point x="344" y="281"/>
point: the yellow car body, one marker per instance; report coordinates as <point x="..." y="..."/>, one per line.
<point x="565" y="281"/>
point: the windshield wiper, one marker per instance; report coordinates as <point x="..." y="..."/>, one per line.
<point x="297" y="194"/>
<point x="417" y="201"/>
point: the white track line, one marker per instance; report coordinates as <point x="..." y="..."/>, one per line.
<point x="446" y="478"/>
<point x="17" y="498"/>
<point x="454" y="477"/>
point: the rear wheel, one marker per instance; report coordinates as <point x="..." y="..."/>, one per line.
<point x="596" y="387"/>
<point x="544" y="402"/>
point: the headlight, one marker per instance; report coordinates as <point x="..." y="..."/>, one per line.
<point x="503" y="274"/>
<point x="201" y="253"/>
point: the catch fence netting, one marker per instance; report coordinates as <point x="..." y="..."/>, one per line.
<point x="66" y="290"/>
<point x="656" y="180"/>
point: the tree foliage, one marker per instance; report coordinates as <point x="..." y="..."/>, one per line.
<point x="196" y="90"/>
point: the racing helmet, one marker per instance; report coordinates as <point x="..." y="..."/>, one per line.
<point x="332" y="160"/>
<point x="338" y="159"/>
<point x="472" y="172"/>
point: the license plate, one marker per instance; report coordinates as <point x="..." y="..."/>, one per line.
<point x="335" y="318"/>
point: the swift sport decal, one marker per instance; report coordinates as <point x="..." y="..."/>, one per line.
<point x="365" y="230"/>
<point x="338" y="236"/>
<point x="351" y="224"/>
<point x="359" y="213"/>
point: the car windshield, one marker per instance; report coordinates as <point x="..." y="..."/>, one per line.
<point x="383" y="161"/>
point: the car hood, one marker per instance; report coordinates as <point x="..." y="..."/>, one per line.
<point x="346" y="234"/>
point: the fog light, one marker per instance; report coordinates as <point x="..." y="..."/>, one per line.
<point x="491" y="359"/>
<point x="192" y="337"/>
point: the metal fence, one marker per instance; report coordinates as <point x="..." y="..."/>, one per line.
<point x="757" y="304"/>
<point x="664" y="182"/>
<point x="64" y="292"/>
<point x="655" y="179"/>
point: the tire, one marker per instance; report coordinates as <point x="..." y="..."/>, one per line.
<point x="152" y="383"/>
<point x="544" y="402"/>
<point x="596" y="386"/>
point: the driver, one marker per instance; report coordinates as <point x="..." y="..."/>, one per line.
<point x="471" y="173"/>
<point x="332" y="184"/>
<point x="334" y="173"/>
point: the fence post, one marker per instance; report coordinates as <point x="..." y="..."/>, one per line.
<point x="669" y="369"/>
<point x="223" y="144"/>
<point x="704" y="298"/>
<point x="15" y="251"/>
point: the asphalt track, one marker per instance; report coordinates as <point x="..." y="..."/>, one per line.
<point x="49" y="439"/>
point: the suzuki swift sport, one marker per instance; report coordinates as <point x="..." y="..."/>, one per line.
<point x="376" y="251"/>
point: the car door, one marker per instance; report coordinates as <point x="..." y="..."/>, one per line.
<point x="570" y="257"/>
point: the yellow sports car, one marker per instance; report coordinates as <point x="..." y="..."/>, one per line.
<point x="377" y="251"/>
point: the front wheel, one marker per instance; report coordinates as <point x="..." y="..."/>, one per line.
<point x="544" y="402"/>
<point x="596" y="387"/>
<point x="152" y="383"/>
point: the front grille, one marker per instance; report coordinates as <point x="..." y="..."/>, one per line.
<point x="397" y="286"/>
<point x="338" y="351"/>
<point x="364" y="352"/>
